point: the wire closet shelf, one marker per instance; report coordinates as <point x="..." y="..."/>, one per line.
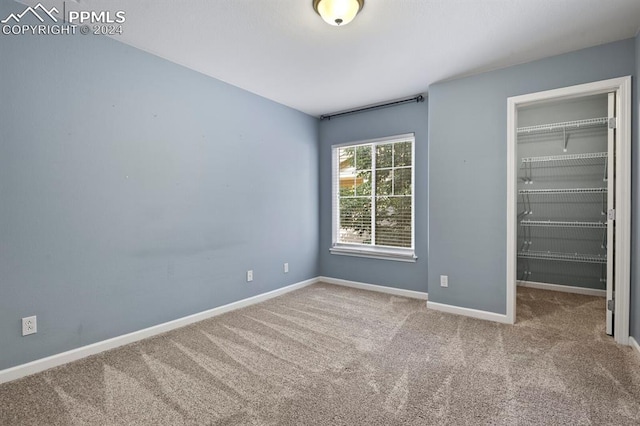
<point x="562" y="224"/>
<point x="564" y="257"/>
<point x="567" y="158"/>
<point x="566" y="125"/>
<point x="562" y="191"/>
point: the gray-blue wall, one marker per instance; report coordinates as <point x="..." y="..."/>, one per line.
<point x="407" y="118"/>
<point x="635" y="204"/>
<point x="134" y="191"/>
<point x="467" y="168"/>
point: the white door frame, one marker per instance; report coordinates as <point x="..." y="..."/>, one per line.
<point x="622" y="266"/>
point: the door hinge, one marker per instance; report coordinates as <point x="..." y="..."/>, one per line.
<point x="611" y="214"/>
<point x="610" y="305"/>
<point x="612" y="123"/>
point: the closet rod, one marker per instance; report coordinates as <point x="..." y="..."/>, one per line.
<point x="417" y="98"/>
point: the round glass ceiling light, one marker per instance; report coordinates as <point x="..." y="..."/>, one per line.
<point x="338" y="12"/>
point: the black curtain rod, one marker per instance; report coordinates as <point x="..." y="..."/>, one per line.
<point x="418" y="98"/>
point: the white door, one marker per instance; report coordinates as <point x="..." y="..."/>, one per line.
<point x="611" y="192"/>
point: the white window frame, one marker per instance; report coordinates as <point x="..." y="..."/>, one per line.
<point x="401" y="254"/>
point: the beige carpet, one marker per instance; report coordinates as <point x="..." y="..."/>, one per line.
<point x="328" y="355"/>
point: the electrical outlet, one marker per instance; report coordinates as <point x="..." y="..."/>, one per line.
<point x="286" y="268"/>
<point x="250" y="275"/>
<point x="444" y="281"/>
<point x="29" y="325"/>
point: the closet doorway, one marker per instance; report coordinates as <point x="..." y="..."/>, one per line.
<point x="568" y="199"/>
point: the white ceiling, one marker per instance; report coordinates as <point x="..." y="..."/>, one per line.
<point x="282" y="50"/>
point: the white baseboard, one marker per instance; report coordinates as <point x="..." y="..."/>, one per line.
<point x="468" y="312"/>
<point x="412" y="294"/>
<point x="634" y="344"/>
<point x="42" y="364"/>
<point x="564" y="288"/>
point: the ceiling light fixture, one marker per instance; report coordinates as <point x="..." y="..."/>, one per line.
<point x="338" y="12"/>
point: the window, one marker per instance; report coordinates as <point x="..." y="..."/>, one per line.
<point x="373" y="198"/>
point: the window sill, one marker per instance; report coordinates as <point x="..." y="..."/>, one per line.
<point x="399" y="255"/>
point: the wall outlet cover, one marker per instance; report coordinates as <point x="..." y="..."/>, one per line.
<point x="250" y="275"/>
<point x="444" y="281"/>
<point x="29" y="325"/>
